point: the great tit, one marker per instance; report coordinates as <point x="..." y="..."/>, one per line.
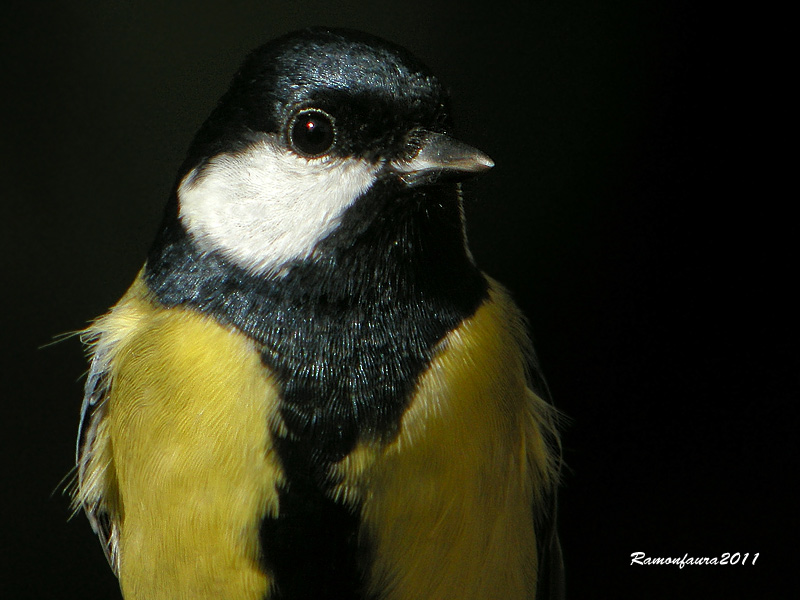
<point x="311" y="391"/>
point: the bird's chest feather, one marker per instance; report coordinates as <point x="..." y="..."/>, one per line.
<point x="346" y="354"/>
<point x="186" y="388"/>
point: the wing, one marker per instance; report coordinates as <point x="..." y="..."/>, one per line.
<point x="97" y="491"/>
<point x="545" y="456"/>
<point x="550" y="582"/>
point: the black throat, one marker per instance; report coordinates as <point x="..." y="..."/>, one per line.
<point x="347" y="333"/>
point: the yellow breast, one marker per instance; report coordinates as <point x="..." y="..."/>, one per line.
<point x="181" y="462"/>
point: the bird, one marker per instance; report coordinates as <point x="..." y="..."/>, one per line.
<point x="311" y="390"/>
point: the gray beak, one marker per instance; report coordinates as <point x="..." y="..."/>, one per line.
<point x="440" y="156"/>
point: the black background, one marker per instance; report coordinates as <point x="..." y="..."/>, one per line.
<point x="639" y="211"/>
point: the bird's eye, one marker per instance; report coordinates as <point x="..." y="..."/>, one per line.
<point x="311" y="133"/>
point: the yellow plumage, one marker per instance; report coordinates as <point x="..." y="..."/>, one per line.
<point x="183" y="431"/>
<point x="450" y="500"/>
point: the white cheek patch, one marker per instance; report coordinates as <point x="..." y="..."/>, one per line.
<point x="266" y="206"/>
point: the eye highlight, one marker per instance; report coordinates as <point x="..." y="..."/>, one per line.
<point x="312" y="133"/>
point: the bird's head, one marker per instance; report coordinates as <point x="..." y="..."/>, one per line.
<point x="314" y="123"/>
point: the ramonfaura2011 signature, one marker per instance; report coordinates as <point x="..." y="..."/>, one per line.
<point x="727" y="558"/>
